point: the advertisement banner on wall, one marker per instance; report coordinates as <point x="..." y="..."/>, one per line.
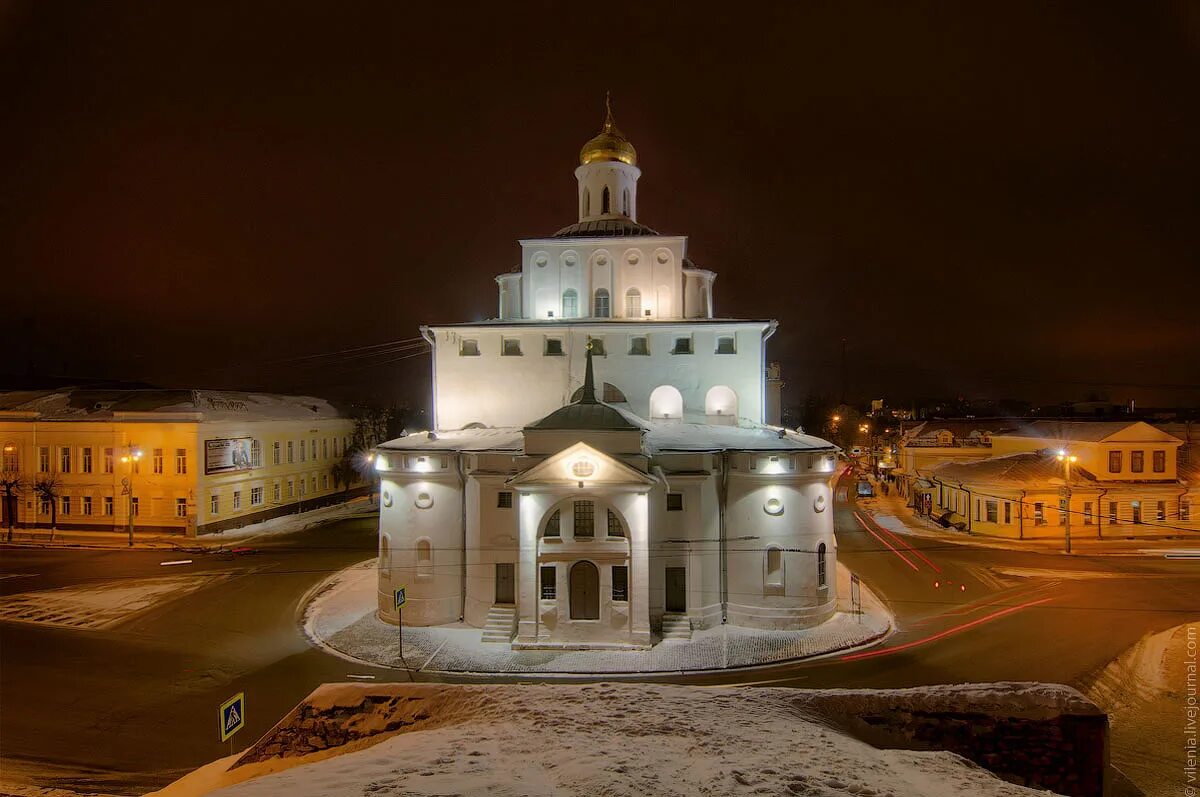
<point x="227" y="454"/>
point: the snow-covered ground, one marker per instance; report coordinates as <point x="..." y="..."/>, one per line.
<point x="97" y="605"/>
<point x="636" y="739"/>
<point x="1143" y="691"/>
<point x="341" y="618"/>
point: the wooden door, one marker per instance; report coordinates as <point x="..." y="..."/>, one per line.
<point x="505" y="582"/>
<point x="676" y="589"/>
<point x="585" y="591"/>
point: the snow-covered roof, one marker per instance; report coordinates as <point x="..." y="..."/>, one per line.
<point x="81" y="404"/>
<point x="1084" y="431"/>
<point x="1022" y="468"/>
<point x="659" y="438"/>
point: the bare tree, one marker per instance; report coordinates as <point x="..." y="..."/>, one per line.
<point x="344" y="473"/>
<point x="49" y="488"/>
<point x="12" y="483"/>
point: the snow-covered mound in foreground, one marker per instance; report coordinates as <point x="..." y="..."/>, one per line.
<point x="636" y="739"/>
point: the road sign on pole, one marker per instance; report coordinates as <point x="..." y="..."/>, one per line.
<point x="856" y="596"/>
<point x="398" y="598"/>
<point x="233" y="715"/>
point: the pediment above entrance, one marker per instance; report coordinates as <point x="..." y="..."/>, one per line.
<point x="581" y="463"/>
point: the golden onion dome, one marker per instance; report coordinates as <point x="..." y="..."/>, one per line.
<point x="609" y="145"/>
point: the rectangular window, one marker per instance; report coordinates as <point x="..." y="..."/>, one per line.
<point x="324" y="481"/>
<point x="991" y="508"/>
<point x="554" y="347"/>
<point x="726" y="345"/>
<point x="639" y="346"/>
<point x="158" y="460"/>
<point x="108" y="505"/>
<point x="43" y="507"/>
<point x="275" y="493"/>
<point x="597" y="345"/>
<point x="291" y="452"/>
<point x="510" y="347"/>
<point x="585" y="519"/>
<point x="682" y="346"/>
<point x="1113" y="517"/>
<point x="291" y="488"/>
<point x="620" y="583"/>
<point x="324" y="448"/>
<point x="674" y="502"/>
<point x="303" y="450"/>
<point x="256" y="496"/>
<point x="468" y="348"/>
<point x="1160" y="461"/>
<point x="237" y="500"/>
<point x="181" y="507"/>
<point x="181" y="461"/>
<point x="256" y="454"/>
<point x="313" y="448"/>
<point x="137" y="506"/>
<point x="1087" y="513"/>
<point x="85" y="462"/>
<point x="1137" y="461"/>
<point x="1114" y="461"/>
<point x="1039" y="514"/>
<point x="1160" y="511"/>
<point x="549" y="582"/>
<point x="1135" y="510"/>
<point x="87" y="505"/>
<point x="504" y="499"/>
<point x="1007" y="513"/>
<point x="314" y="483"/>
<point x="108" y="460"/>
<point x="275" y="453"/>
<point x="978" y="513"/>
<point x="1185" y="509"/>
<point x="43" y="459"/>
<point x="64" y="459"/>
<point x="1062" y="511"/>
<point x="214" y="506"/>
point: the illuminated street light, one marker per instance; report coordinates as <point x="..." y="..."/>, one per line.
<point x="131" y="458"/>
<point x="837" y="418"/>
<point x="1066" y="459"/>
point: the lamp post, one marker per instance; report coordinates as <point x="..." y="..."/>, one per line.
<point x="131" y="457"/>
<point x="1066" y="459"/>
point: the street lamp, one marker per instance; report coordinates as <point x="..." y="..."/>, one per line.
<point x="131" y="458"/>
<point x="1066" y="459"/>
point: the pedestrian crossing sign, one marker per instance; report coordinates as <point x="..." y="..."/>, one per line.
<point x="398" y="597"/>
<point x="233" y="715"/>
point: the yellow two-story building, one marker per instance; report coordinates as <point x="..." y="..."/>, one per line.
<point x="177" y="461"/>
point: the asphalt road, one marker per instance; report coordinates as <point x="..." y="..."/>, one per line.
<point x="131" y="709"/>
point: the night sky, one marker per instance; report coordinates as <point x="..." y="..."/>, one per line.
<point x="986" y="199"/>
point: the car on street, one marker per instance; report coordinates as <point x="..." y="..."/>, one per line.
<point x="865" y="489"/>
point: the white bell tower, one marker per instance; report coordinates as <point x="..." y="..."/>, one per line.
<point x="608" y="174"/>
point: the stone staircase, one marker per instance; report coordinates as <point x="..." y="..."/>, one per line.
<point x="676" y="627"/>
<point x="500" y="624"/>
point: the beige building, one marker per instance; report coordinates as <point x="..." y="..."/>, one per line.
<point x="1125" y="480"/>
<point x="925" y="445"/>
<point x="186" y="462"/>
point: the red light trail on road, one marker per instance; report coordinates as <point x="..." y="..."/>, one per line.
<point x="870" y="531"/>
<point x="943" y="634"/>
<point x="902" y="543"/>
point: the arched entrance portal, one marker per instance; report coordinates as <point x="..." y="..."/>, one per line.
<point x="585" y="591"/>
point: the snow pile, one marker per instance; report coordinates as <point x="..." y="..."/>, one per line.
<point x="596" y="739"/>
<point x="98" y="605"/>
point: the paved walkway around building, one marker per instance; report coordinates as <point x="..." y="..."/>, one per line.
<point x="284" y="524"/>
<point x="892" y="512"/>
<point x="341" y="618"/>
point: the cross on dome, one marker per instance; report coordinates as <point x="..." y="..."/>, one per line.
<point x="610" y="144"/>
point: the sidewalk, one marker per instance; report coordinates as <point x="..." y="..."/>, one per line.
<point x="341" y="619"/>
<point x="284" y="524"/>
<point x="891" y="512"/>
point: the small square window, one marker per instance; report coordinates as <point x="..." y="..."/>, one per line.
<point x="674" y="502"/>
<point x="511" y="347"/>
<point x="639" y="346"/>
<point x="554" y="347"/>
<point x="597" y="345"/>
<point x="682" y="346"/>
<point x="468" y="348"/>
<point x="504" y="499"/>
<point x="726" y="345"/>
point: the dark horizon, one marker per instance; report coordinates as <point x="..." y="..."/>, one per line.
<point x="991" y="205"/>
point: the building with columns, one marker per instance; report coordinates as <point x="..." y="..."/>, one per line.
<point x="602" y="472"/>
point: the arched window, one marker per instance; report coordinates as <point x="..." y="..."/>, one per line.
<point x="633" y="303"/>
<point x="587" y="202"/>
<point x="722" y="401"/>
<point x="625" y="203"/>
<point x="385" y="558"/>
<point x="424" y="557"/>
<point x="570" y="303"/>
<point x="615" y="529"/>
<point x="605" y="201"/>
<point x="600" y="305"/>
<point x="822" y="578"/>
<point x="552" y="525"/>
<point x="666" y="402"/>
<point x="774" y="567"/>
<point x="585" y="591"/>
